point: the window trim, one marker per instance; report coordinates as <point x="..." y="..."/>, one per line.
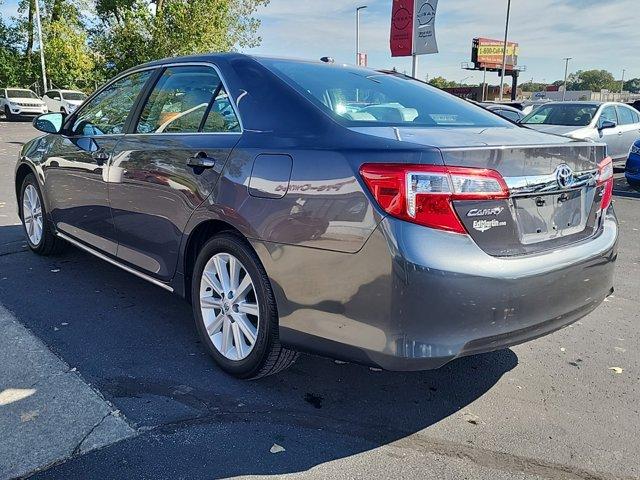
<point x="162" y="67"/>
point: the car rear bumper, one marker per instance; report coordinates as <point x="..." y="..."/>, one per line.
<point x="415" y="298"/>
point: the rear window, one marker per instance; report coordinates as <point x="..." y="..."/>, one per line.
<point x="73" y="96"/>
<point x="359" y="97"/>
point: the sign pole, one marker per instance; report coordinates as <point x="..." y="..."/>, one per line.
<point x="484" y="84"/>
<point x="504" y="53"/>
<point x="414" y="66"/>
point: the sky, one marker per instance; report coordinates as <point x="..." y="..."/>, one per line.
<point x="597" y="34"/>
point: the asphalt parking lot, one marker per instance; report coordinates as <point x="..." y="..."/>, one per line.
<point x="115" y="360"/>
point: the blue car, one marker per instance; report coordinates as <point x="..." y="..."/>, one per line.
<point x="632" y="170"/>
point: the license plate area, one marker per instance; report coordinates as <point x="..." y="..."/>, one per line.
<point x="548" y="216"/>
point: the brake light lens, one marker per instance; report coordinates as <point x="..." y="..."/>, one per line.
<point x="605" y="179"/>
<point x="423" y="194"/>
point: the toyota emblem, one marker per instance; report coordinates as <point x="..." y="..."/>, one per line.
<point x="564" y="176"/>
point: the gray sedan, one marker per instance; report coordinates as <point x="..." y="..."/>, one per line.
<point x="304" y="206"/>
<point x="615" y="124"/>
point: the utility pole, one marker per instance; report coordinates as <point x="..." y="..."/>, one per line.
<point x="566" y="71"/>
<point x="622" y="86"/>
<point x="39" y="27"/>
<point x="504" y="53"/>
<point x="414" y="66"/>
<point x="358" y="33"/>
<point x="484" y="84"/>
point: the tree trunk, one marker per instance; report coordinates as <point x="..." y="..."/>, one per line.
<point x="56" y="10"/>
<point x="29" y="48"/>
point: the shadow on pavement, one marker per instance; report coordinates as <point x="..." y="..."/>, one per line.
<point x="137" y="345"/>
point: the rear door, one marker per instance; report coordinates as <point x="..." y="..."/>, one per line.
<point x="630" y="127"/>
<point x="76" y="169"/>
<point x="169" y="163"/>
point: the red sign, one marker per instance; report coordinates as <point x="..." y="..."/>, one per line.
<point x="401" y="40"/>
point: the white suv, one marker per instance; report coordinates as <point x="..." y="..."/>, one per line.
<point x="20" y="102"/>
<point x="65" y="101"/>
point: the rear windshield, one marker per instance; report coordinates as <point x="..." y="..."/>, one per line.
<point x="570" y="115"/>
<point x="73" y="95"/>
<point x="359" y="97"/>
<point x="15" y="93"/>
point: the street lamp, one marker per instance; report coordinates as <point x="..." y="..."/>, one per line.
<point x="622" y="86"/>
<point x="358" y="33"/>
<point x="566" y="71"/>
<point x="504" y="53"/>
<point x="39" y="27"/>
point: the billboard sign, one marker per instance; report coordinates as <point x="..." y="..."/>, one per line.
<point x="401" y="40"/>
<point x="487" y="53"/>
<point x="424" y="32"/>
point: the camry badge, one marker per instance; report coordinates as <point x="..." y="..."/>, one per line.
<point x="485" y="212"/>
<point x="564" y="176"/>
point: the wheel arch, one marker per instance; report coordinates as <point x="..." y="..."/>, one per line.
<point x="196" y="239"/>
<point x="21" y="173"/>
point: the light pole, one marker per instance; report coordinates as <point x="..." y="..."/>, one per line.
<point x="358" y="33"/>
<point x="622" y="86"/>
<point x="504" y="53"/>
<point x="566" y="71"/>
<point x="39" y="27"/>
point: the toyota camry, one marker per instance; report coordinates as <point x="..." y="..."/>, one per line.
<point x="316" y="207"/>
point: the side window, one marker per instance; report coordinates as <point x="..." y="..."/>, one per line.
<point x="608" y="113"/>
<point x="636" y="116"/>
<point x="107" y="112"/>
<point x="626" y="116"/>
<point x="222" y="117"/>
<point x="179" y="100"/>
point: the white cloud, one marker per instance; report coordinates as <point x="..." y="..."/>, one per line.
<point x="595" y="34"/>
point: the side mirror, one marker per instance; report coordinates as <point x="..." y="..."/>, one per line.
<point x="604" y="124"/>
<point x="49" y="122"/>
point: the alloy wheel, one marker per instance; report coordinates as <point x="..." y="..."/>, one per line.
<point x="229" y="306"/>
<point x="32" y="214"/>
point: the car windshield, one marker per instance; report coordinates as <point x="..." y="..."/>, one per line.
<point x="73" y="95"/>
<point x="359" y="97"/>
<point x="15" y="93"/>
<point x="570" y="115"/>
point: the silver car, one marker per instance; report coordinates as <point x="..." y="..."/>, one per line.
<point x="615" y="124"/>
<point x="314" y="207"/>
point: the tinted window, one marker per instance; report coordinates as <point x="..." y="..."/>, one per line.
<point x="74" y="96"/>
<point x="179" y="100"/>
<point x="222" y="117"/>
<point x="562" y="114"/>
<point x="107" y="112"/>
<point x="608" y="113"/>
<point x="513" y="116"/>
<point x="625" y="116"/>
<point x="363" y="97"/>
<point x="15" y="93"/>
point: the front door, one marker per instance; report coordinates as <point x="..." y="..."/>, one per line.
<point x="169" y="165"/>
<point x="611" y="136"/>
<point x="76" y="169"/>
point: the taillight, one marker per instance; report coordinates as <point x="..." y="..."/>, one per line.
<point x="423" y="194"/>
<point x="605" y="179"/>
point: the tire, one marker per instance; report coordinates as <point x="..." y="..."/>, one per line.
<point x="46" y="243"/>
<point x="266" y="355"/>
<point x="8" y="115"/>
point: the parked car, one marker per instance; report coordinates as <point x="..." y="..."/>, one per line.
<point x="295" y="223"/>
<point x="632" y="167"/>
<point x="635" y="104"/>
<point x="65" y="101"/>
<point x="615" y="124"/>
<point x="505" y="111"/>
<point x="20" y="102"/>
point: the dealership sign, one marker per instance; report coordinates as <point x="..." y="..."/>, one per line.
<point x="413" y="27"/>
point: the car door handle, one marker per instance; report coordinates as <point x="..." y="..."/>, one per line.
<point x="201" y="160"/>
<point x="101" y="157"/>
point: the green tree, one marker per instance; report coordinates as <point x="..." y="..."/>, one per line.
<point x="632" y="85"/>
<point x="69" y="61"/>
<point x="441" y="82"/>
<point x="594" y="80"/>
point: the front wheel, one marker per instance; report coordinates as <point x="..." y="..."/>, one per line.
<point x="37" y="227"/>
<point x="235" y="310"/>
<point x="8" y="115"/>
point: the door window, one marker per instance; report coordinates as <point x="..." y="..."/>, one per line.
<point x="626" y="116"/>
<point x="179" y="100"/>
<point x="107" y="112"/>
<point x="222" y="117"/>
<point x="608" y="113"/>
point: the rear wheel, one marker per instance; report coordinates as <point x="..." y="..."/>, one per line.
<point x="37" y="227"/>
<point x="235" y="310"/>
